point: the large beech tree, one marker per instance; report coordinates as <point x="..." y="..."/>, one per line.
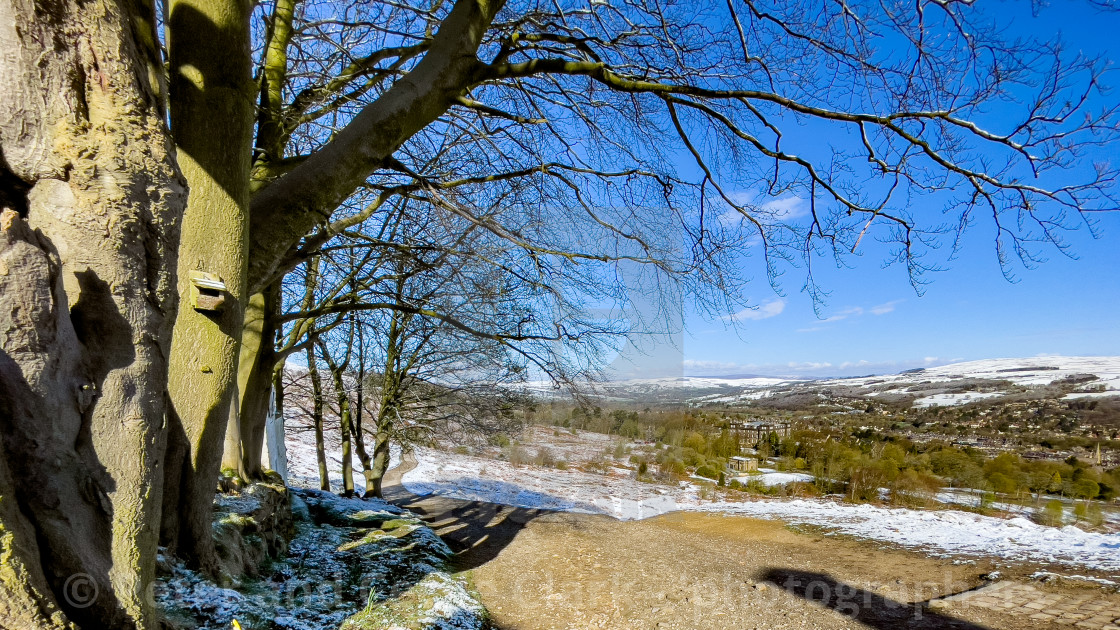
<point x="138" y="148"/>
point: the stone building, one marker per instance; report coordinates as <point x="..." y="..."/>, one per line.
<point x="752" y="432"/>
<point x="743" y="464"/>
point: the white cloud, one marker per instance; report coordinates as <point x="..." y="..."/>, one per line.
<point x="851" y="311"/>
<point x="859" y="311"/>
<point x="802" y="369"/>
<point x="785" y="208"/>
<point x="715" y="366"/>
<point x="883" y="309"/>
<point x="808" y="365"/>
<point x="770" y="210"/>
<point x="766" y="310"/>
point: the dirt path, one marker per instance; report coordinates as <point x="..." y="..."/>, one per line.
<point x="540" y="570"/>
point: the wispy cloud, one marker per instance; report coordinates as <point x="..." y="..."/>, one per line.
<point x="714" y="367"/>
<point x="773" y="308"/>
<point x="785" y="208"/>
<point x="809" y="368"/>
<point x="851" y="311"/>
<point x="859" y="311"/>
<point x="883" y="309"/>
<point x="770" y="210"/>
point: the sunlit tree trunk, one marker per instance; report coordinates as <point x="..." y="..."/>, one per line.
<point x="211" y="118"/>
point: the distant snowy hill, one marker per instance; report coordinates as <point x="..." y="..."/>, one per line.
<point x="957" y="383"/>
<point x="1030" y="371"/>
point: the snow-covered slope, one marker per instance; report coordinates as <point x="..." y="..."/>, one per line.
<point x="1101" y="375"/>
<point x="1028" y="371"/>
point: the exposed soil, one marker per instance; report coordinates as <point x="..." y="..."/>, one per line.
<point x="538" y="570"/>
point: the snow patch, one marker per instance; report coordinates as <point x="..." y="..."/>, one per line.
<point x="951" y="400"/>
<point x="945" y="530"/>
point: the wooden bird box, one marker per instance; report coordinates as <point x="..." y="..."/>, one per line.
<point x="208" y="292"/>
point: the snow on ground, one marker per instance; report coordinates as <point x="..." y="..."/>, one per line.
<point x="771" y="477"/>
<point x="1028" y="371"/>
<point x="477" y="479"/>
<point x="949" y="400"/>
<point x="755" y="395"/>
<point x="617" y="495"/>
<point x="1104" y="394"/>
<point x="952" y="532"/>
<point x="973" y="498"/>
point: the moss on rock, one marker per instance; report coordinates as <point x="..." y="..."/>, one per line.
<point x="439" y="601"/>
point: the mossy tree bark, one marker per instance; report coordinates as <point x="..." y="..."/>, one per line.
<point x="212" y="113"/>
<point x="380" y="463"/>
<point x="88" y="235"/>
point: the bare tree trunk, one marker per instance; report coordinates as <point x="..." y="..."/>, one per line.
<point x="371" y="489"/>
<point x="289" y="207"/>
<point x="380" y="463"/>
<point x="274" y="429"/>
<point x="212" y="120"/>
<point x="344" y="422"/>
<point x="245" y="440"/>
<point x="317" y="418"/>
<point x="86" y="306"/>
<point x="387" y="408"/>
<point x="342" y="396"/>
<point x="365" y="459"/>
<point x="360" y="439"/>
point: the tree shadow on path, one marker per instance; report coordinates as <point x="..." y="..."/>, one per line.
<point x="476" y="531"/>
<point x="870" y="609"/>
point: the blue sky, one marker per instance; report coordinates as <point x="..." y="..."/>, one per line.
<point x="874" y="322"/>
